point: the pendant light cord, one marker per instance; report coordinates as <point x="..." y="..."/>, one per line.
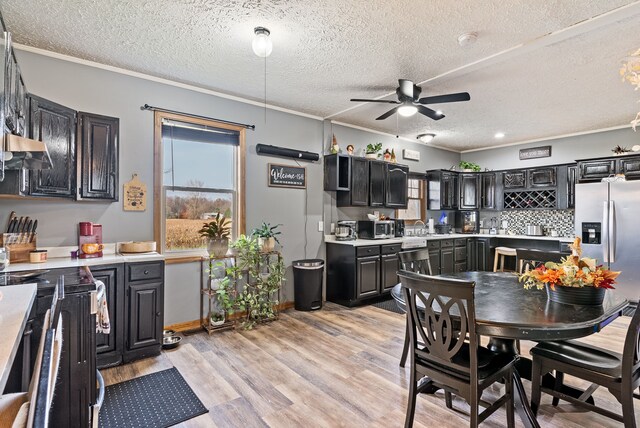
<point x="265" y="90"/>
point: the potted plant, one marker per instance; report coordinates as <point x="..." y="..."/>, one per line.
<point x="469" y="166"/>
<point x="575" y="281"/>
<point x="372" y="150"/>
<point x="266" y="235"/>
<point x="217" y="318"/>
<point x="217" y="231"/>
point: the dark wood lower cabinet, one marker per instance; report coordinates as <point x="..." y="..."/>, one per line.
<point x="434" y="259"/>
<point x="145" y="310"/>
<point x="389" y="267"/>
<point x="368" y="276"/>
<point x="447" y="260"/>
<point x="110" y="346"/>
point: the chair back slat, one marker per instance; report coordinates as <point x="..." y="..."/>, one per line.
<point x="530" y="259"/>
<point x="631" y="353"/>
<point x="442" y="315"/>
<point x="415" y="261"/>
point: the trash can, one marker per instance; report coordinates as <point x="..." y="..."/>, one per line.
<point x="307" y="284"/>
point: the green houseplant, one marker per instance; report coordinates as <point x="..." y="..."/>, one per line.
<point x="217" y="232"/>
<point x="260" y="275"/>
<point x="267" y="236"/>
<point x="372" y="150"/>
<point x="469" y="166"/>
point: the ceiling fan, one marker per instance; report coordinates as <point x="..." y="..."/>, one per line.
<point x="410" y="103"/>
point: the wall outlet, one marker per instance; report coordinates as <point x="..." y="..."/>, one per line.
<point x="320" y="226"/>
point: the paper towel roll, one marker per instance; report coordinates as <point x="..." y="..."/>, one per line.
<point x="432" y="229"/>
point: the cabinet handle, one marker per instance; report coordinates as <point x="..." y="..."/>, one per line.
<point x="158" y="314"/>
<point x="146" y="272"/>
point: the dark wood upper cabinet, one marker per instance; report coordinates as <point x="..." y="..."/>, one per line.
<point x="337" y="172"/>
<point x="98" y="156"/>
<point x="630" y="167"/>
<point x="377" y="183"/>
<point x="514" y="179"/>
<point x="542" y="177"/>
<point x="397" y="186"/>
<point x="55" y="125"/>
<point x="442" y="190"/>
<point x="358" y="194"/>
<point x="469" y="185"/>
<point x="595" y="170"/>
<point x="488" y="191"/>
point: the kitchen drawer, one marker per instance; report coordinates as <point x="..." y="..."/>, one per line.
<point x="391" y="248"/>
<point x="433" y="245"/>
<point x="461" y="254"/>
<point x="145" y="271"/>
<point x="460" y="242"/>
<point x="372" y="250"/>
<point x="446" y="243"/>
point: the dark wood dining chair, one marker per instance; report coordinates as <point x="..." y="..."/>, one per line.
<point x="445" y="347"/>
<point x="530" y="259"/>
<point x="413" y="261"/>
<point x="620" y="374"/>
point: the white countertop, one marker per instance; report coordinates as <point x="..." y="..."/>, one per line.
<point x="15" y="304"/>
<point x="364" y="242"/>
<point x="67" y="262"/>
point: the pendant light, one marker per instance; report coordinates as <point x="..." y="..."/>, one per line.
<point x="262" y="45"/>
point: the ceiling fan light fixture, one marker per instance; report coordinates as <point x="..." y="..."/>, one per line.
<point x="262" y="44"/>
<point x="407" y="110"/>
<point x="426" y="138"/>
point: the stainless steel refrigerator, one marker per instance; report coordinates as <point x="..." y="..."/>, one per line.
<point x="607" y="218"/>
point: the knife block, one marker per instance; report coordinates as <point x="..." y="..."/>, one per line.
<point x="19" y="245"/>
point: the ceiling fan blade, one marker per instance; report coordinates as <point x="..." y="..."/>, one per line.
<point x="362" y="100"/>
<point x="429" y="113"/>
<point x="387" y="114"/>
<point x="448" y="98"/>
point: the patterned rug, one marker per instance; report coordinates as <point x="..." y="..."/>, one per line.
<point x="156" y="400"/>
<point x="389" y="305"/>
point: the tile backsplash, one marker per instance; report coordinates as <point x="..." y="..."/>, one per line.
<point x="559" y="220"/>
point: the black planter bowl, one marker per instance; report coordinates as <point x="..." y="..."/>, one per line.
<point x="586" y="296"/>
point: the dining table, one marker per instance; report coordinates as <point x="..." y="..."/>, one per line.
<point x="507" y="313"/>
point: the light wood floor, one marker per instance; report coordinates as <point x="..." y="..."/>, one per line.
<point x="334" y="367"/>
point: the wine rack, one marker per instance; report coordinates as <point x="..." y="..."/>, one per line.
<point x="530" y="199"/>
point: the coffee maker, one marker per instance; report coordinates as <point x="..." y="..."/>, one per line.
<point x="467" y="221"/>
<point x="90" y="240"/>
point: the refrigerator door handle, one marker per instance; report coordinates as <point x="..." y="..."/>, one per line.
<point x="612" y="232"/>
<point x="605" y="232"/>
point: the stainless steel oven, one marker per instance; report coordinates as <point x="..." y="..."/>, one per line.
<point x="377" y="229"/>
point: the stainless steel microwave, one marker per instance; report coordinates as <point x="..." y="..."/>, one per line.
<point x="377" y="229"/>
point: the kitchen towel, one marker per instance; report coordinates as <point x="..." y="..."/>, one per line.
<point x="103" y="325"/>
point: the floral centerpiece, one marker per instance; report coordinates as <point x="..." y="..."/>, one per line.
<point x="578" y="280"/>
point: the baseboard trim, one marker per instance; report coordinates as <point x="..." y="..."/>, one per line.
<point x="195" y="324"/>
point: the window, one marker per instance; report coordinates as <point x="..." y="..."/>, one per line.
<point x="199" y="173"/>
<point x="415" y="203"/>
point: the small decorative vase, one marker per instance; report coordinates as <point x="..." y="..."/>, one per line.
<point x="218" y="247"/>
<point x="216" y="319"/>
<point x="371" y="156"/>
<point x="586" y="296"/>
<point x="267" y="244"/>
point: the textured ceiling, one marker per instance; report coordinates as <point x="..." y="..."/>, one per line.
<point x="327" y="51"/>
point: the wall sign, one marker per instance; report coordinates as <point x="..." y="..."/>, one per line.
<point x="287" y="176"/>
<point x="411" y="154"/>
<point x="535" y="152"/>
<point x="135" y="195"/>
